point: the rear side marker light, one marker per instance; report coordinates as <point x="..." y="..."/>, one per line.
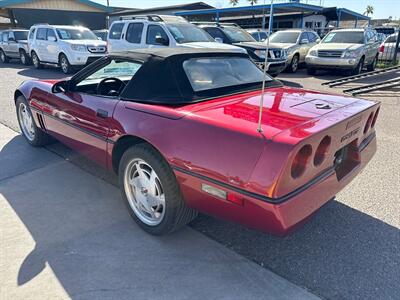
<point x="300" y="161"/>
<point x="368" y="124"/>
<point x="375" y="118"/>
<point x="221" y="194"/>
<point x="322" y="150"/>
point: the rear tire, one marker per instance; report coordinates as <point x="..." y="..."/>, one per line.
<point x="372" y="66"/>
<point x="3" y="57"/>
<point x="33" y="134"/>
<point x="36" y="61"/>
<point x="66" y="67"/>
<point x="311" y="71"/>
<point x="294" y="64"/>
<point x="24" y="58"/>
<point x="174" y="213"/>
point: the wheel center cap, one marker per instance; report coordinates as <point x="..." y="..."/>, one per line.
<point x="144" y="191"/>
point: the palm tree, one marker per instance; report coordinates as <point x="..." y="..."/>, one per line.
<point x="252" y="2"/>
<point x="234" y="2"/>
<point x="369" y="10"/>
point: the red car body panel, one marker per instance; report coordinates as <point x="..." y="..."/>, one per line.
<point x="216" y="142"/>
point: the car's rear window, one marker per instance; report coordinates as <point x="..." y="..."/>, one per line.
<point x="213" y="73"/>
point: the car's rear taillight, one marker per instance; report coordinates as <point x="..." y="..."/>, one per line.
<point x="300" y="161"/>
<point x="368" y="124"/>
<point x="375" y="117"/>
<point x="322" y="150"/>
<point x="382" y="48"/>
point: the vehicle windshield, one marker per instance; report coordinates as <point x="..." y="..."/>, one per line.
<point x="238" y="35"/>
<point x="284" y="37"/>
<point x="21" y="35"/>
<point x="102" y="35"/>
<point x="75" y="34"/>
<point x="392" y="39"/>
<point x="187" y="33"/>
<point x="344" y="37"/>
<point x="213" y="73"/>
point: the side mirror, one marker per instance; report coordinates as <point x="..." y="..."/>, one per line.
<point x="218" y="40"/>
<point x="60" y="87"/>
<point x="304" y="41"/>
<point x="318" y="41"/>
<point x="161" y="41"/>
<point x="52" y="39"/>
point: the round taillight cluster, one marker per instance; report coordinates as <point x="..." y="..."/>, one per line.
<point x="322" y="150"/>
<point x="300" y="161"/>
<point x="369" y="122"/>
<point x="375" y="117"/>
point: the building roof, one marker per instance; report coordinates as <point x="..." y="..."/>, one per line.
<point x="8" y="3"/>
<point x="188" y="6"/>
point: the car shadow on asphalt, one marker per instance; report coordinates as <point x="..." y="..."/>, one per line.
<point x="341" y="253"/>
<point x="46" y="73"/>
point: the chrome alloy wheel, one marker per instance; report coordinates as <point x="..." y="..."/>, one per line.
<point x="144" y="192"/>
<point x="2" y="56"/>
<point x="35" y="60"/>
<point x="26" y="122"/>
<point x="64" y="64"/>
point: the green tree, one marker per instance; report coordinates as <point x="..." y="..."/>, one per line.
<point x="252" y="2"/>
<point x="234" y="2"/>
<point x="369" y="10"/>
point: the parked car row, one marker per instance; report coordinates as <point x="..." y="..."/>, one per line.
<point x="72" y="47"/>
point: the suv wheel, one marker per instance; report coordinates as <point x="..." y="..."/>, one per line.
<point x="294" y="64"/>
<point x="3" y="57"/>
<point x="36" y="61"/>
<point x="372" y="66"/>
<point x="23" y="57"/>
<point x="65" y="65"/>
<point x="358" y="69"/>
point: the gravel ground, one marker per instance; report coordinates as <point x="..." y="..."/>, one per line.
<point x="349" y="250"/>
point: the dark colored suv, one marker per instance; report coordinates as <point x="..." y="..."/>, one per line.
<point x="234" y="35"/>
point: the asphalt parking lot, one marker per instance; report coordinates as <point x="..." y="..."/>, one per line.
<point x="349" y="250"/>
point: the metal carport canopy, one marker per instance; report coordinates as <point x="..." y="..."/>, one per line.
<point x="279" y="8"/>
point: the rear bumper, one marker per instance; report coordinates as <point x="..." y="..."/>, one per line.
<point x="277" y="218"/>
<point x="331" y="63"/>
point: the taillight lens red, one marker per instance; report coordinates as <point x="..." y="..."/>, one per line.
<point x="368" y="124"/>
<point x="382" y="48"/>
<point x="300" y="161"/>
<point x="322" y="150"/>
<point x="375" y="117"/>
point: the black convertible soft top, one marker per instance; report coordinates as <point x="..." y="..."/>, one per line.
<point x="162" y="80"/>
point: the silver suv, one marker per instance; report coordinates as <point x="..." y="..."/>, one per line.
<point x="349" y="49"/>
<point x="297" y="43"/>
<point x="14" y="44"/>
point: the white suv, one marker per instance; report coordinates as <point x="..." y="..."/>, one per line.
<point x="65" y="46"/>
<point x="160" y="31"/>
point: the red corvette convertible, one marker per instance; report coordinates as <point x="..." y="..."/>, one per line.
<point x="179" y="126"/>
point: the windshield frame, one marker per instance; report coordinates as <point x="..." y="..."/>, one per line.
<point x="59" y="35"/>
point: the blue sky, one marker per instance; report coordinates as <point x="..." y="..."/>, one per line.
<point x="383" y="8"/>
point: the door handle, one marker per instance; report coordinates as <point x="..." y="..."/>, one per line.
<point x="102" y="113"/>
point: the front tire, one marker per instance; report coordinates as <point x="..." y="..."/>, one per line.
<point x="151" y="191"/>
<point x="36" y="61"/>
<point x="24" y="57"/>
<point x="372" y="66"/>
<point x="294" y="64"/>
<point x="358" y="69"/>
<point x="33" y="134"/>
<point x="3" y="57"/>
<point x="66" y="67"/>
